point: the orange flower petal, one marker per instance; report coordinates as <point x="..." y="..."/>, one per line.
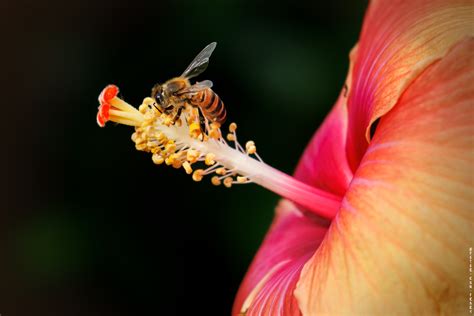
<point x="400" y="244"/>
<point x="399" y="40"/>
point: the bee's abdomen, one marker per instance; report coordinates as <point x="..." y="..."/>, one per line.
<point x="211" y="105"/>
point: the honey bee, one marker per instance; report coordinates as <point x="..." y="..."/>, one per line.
<point x="172" y="96"/>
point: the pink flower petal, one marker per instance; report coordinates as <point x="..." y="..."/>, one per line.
<point x="324" y="162"/>
<point x="268" y="286"/>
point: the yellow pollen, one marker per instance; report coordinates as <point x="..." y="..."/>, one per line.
<point x="157" y="159"/>
<point x="193" y="116"/>
<point x="155" y="150"/>
<point x="167" y="146"/>
<point x="177" y="164"/>
<point x="197" y="175"/>
<point x="215" y="180"/>
<point x="149" y="116"/>
<point x="148" y="102"/>
<point x="160" y="136"/>
<point x="221" y="171"/>
<point x="167" y="120"/>
<point x="228" y="182"/>
<point x="170" y="147"/>
<point x="192" y="155"/>
<point x="143" y="108"/>
<point x="241" y="179"/>
<point x="169" y="161"/>
<point x="210" y="159"/>
<point x="194" y="130"/>
<point x="187" y="167"/>
<point x="140" y="146"/>
<point x="214" y="133"/>
<point x="250" y="147"/>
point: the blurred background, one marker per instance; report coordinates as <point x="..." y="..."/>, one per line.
<point x="90" y="226"/>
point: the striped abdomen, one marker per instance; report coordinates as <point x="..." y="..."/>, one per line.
<point x="210" y="104"/>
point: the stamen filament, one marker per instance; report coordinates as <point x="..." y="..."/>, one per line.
<point x="315" y="200"/>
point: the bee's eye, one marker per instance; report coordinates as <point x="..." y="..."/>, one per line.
<point x="159" y="98"/>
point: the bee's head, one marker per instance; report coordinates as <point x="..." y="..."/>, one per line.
<point x="157" y="94"/>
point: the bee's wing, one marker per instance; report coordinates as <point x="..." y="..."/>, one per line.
<point x="200" y="62"/>
<point x="198" y="86"/>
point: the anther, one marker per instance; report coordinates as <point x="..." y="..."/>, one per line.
<point x="167" y="120"/>
<point x="149" y="116"/>
<point x="194" y="130"/>
<point x="141" y="146"/>
<point x="241" y="179"/>
<point x="230" y="137"/>
<point x="197" y="175"/>
<point x="228" y="182"/>
<point x="210" y="159"/>
<point x="232" y="127"/>
<point x="148" y="101"/>
<point x="169" y="161"/>
<point x="250" y="147"/>
<point x="221" y="171"/>
<point x="215" y="180"/>
<point x="177" y="164"/>
<point x="187" y="167"/>
<point x="214" y="133"/>
<point x="170" y="147"/>
<point x="192" y="155"/>
<point x="143" y="108"/>
<point x="157" y="159"/>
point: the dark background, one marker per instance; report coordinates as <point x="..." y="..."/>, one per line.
<point x="88" y="225"/>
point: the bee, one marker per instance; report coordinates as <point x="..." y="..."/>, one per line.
<point x="173" y="95"/>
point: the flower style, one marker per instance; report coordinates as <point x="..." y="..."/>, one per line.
<point x="115" y="109"/>
<point x="376" y="219"/>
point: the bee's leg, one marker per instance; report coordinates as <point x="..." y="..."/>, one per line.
<point x="177" y="115"/>
<point x="202" y="121"/>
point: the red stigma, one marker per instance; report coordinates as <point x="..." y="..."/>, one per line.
<point x="108" y="93"/>
<point x="105" y="96"/>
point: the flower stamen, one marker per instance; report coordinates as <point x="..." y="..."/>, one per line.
<point x="190" y="144"/>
